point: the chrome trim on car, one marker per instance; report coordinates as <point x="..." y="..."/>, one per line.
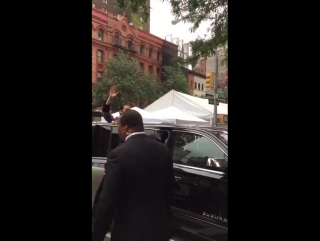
<point x="197" y="168"/>
<point x="201" y="220"/>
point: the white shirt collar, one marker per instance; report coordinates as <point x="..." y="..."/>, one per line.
<point x="135" y="133"/>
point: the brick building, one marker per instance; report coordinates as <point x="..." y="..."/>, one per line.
<point x="109" y="33"/>
<point x="200" y="66"/>
<point x="196" y="82"/>
<point x="222" y="69"/>
<point x="109" y="7"/>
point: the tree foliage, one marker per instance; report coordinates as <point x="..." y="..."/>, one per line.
<point x="195" y="12"/>
<point x="137" y="21"/>
<point x="134" y="86"/>
<point x="174" y="80"/>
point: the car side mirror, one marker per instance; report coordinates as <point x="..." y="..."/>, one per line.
<point x="217" y="162"/>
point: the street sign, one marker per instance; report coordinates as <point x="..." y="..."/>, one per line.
<point x="222" y="100"/>
<point x="211" y="101"/>
<point x="208" y="96"/>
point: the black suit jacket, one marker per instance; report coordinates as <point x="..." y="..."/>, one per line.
<point x="137" y="192"/>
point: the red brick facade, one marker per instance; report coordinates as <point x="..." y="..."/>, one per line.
<point x="191" y="83"/>
<point x="109" y="33"/>
<point x="201" y="67"/>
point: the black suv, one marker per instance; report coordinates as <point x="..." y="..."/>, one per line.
<point x="200" y="161"/>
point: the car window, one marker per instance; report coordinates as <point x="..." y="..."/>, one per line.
<point x="101" y="165"/>
<point x="158" y="135"/>
<point x="196" y="150"/>
<point x="101" y="141"/>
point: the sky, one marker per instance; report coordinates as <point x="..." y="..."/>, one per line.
<point x="160" y="23"/>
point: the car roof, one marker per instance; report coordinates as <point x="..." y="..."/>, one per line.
<point x="158" y="124"/>
<point x="164" y="124"/>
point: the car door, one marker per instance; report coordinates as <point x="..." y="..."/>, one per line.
<point x="186" y="177"/>
<point x="200" y="158"/>
<point x="101" y="139"/>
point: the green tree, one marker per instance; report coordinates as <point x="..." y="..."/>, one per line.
<point x="137" y="21"/>
<point x="134" y="86"/>
<point x="195" y="12"/>
<point x="174" y="79"/>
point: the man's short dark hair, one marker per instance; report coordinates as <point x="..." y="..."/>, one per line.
<point x="122" y="106"/>
<point x="132" y="119"/>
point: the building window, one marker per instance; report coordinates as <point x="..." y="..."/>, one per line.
<point x="99" y="76"/>
<point x="116" y="39"/>
<point x="100" y="34"/>
<point x="227" y="73"/>
<point x="130" y="44"/>
<point x="150" y="69"/>
<point x="100" y="56"/>
<point x="141" y="49"/>
<point x="158" y="72"/>
<point x="195" y="85"/>
<point x="227" y="81"/>
<point x="150" y="52"/>
<point x="142" y="66"/>
<point x="158" y="55"/>
<point x="201" y="86"/>
<point x="198" y="86"/>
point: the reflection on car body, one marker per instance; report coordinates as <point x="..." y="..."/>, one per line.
<point x="200" y="161"/>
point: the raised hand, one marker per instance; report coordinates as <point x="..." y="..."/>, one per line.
<point x="113" y="91"/>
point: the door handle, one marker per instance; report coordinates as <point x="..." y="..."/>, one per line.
<point x="177" y="178"/>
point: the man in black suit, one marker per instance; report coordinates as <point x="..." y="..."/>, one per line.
<point x="137" y="188"/>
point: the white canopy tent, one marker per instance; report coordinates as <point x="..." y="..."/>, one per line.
<point x="191" y="105"/>
<point x="146" y="116"/>
<point x="222" y="108"/>
<point x="173" y="115"/>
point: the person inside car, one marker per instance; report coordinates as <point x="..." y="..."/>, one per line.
<point x="122" y="109"/>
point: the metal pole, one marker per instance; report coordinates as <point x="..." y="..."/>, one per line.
<point x="215" y="107"/>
